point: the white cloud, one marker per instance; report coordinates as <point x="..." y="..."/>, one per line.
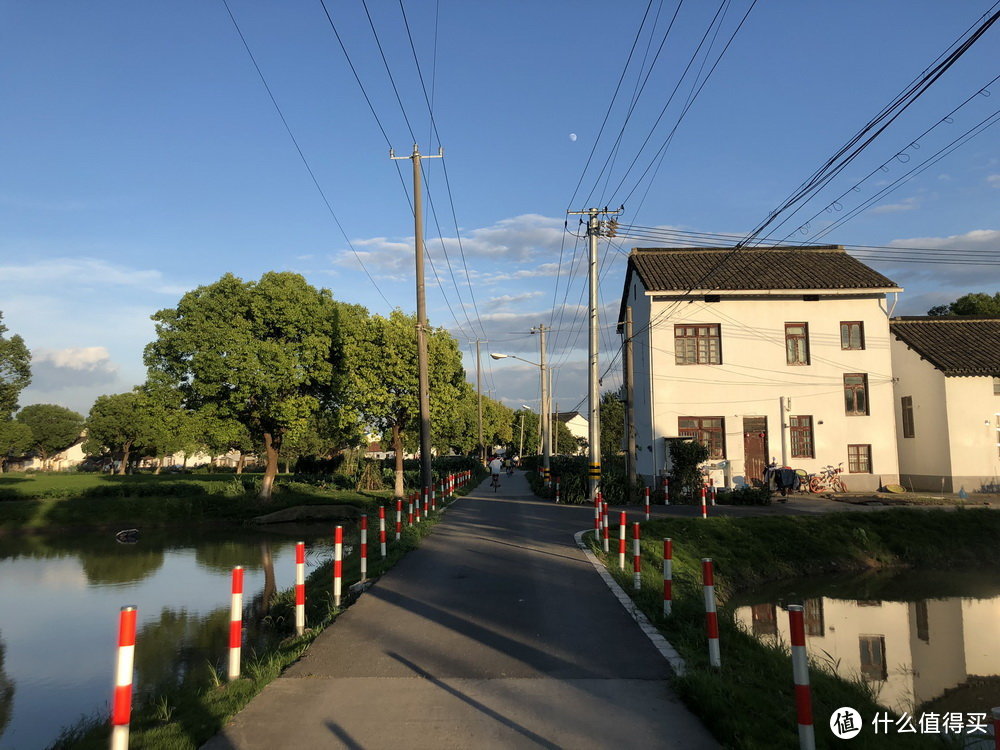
<point x="87" y="272"/>
<point x="55" y="369"/>
<point x="993" y="180"/>
<point x="907" y="204"/>
<point x="505" y="301"/>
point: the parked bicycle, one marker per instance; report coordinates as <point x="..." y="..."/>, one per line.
<point x="828" y="480"/>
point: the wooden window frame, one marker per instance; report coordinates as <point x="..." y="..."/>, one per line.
<point x="856" y="452"/>
<point x="871" y="669"/>
<point x="804" y="338"/>
<point x="703" y="434"/>
<point x="845" y="344"/>
<point x="906" y="411"/>
<point x="802" y="432"/>
<point x="701" y="356"/>
<point x="854" y="388"/>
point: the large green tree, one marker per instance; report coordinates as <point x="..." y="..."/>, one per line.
<point x="612" y="424"/>
<point x="15" y="440"/>
<point x="975" y="303"/>
<point x="15" y="370"/>
<point x="117" y="425"/>
<point x="263" y="353"/>
<point x="53" y="428"/>
<point x="382" y="379"/>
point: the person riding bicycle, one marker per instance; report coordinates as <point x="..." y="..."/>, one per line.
<point x="508" y="464"/>
<point x="495" y="465"/>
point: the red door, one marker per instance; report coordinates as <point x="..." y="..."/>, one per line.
<point x="754" y="448"/>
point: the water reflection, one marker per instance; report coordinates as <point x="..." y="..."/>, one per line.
<point x="912" y="653"/>
<point x="6" y="693"/>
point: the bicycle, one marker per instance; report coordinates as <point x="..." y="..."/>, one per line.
<point x="495" y="482"/>
<point x="827" y="480"/>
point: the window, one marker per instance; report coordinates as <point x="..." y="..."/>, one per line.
<point x="852" y="334"/>
<point x="856" y="394"/>
<point x="801" y="428"/>
<point x="923" y="621"/>
<point x="797" y="343"/>
<point x="859" y="459"/>
<point x="709" y="431"/>
<point x="996" y="386"/>
<point x="813" y="617"/>
<point x="873" y="665"/>
<point x="907" y="407"/>
<point x="697" y="345"/>
<point x="764" y="619"/>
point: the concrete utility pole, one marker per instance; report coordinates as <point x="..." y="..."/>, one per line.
<point x="545" y="412"/>
<point x="479" y="392"/>
<point x="630" y="455"/>
<point x="595" y="229"/>
<point x="423" y="379"/>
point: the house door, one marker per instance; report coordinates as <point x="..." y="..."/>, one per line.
<point x="754" y="448"/>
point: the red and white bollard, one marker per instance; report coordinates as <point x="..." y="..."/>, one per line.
<point x="622" y="522"/>
<point x="597" y="520"/>
<point x="300" y="588"/>
<point x="381" y="530"/>
<point x="364" y="546"/>
<point x="557" y="489"/>
<point x="434" y="493"/>
<point x="121" y="710"/>
<point x="800" y="675"/>
<point x="648" y="509"/>
<point x="668" y="575"/>
<point x="399" y="517"/>
<point x="236" y="624"/>
<point x="636" y="559"/>
<point x="605" y="526"/>
<point x="426" y="500"/>
<point x="996" y="726"/>
<point x="711" y="489"/>
<point x="409" y="510"/>
<point x="666" y="490"/>
<point x="704" y="507"/>
<point x="711" y="616"/>
<point x="338" y="564"/>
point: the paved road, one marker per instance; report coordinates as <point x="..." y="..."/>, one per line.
<point x="496" y="633"/>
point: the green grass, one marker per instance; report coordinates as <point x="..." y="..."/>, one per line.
<point x="186" y="718"/>
<point x="51" y="501"/>
<point x="749" y="703"/>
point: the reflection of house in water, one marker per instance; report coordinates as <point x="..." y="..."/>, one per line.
<point x="917" y="650"/>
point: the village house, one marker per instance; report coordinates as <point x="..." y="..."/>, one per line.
<point x="763" y="354"/>
<point x="947" y="402"/>
<point x="577" y="424"/>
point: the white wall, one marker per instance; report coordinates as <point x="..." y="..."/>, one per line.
<point x="754" y="376"/>
<point x="972" y="430"/>
<point x="926" y="457"/>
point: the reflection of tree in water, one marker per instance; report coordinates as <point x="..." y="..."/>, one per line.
<point x="129" y="565"/>
<point x="224" y="556"/>
<point x="6" y="693"/>
<point x="176" y="650"/>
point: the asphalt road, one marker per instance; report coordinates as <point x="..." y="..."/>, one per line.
<point x="496" y="633"/>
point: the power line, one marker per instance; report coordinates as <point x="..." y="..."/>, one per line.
<point x="302" y="156"/>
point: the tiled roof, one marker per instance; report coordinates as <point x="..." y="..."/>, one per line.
<point x="566" y="416"/>
<point x="956" y="346"/>
<point x="758" y="268"/>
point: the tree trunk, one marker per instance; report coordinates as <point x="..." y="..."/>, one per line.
<point x="159" y="465"/>
<point x="240" y="463"/>
<point x="270" y="587"/>
<point x="286" y="465"/>
<point x="126" y="449"/>
<point x="397" y="447"/>
<point x="272" y="445"/>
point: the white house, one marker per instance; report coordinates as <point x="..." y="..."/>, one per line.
<point x="577" y="424"/>
<point x="762" y="354"/>
<point x="947" y="402"/>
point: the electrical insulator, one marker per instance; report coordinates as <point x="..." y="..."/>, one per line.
<point x="612" y="228"/>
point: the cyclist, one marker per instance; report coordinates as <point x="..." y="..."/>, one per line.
<point x="495" y="465"/>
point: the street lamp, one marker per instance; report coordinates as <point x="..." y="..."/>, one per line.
<point x="544" y="412"/>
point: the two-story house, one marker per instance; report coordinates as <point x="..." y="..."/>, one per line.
<point x="763" y="354"/>
<point x="947" y="402"/>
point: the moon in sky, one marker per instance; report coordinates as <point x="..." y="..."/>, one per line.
<point x="572" y="136"/>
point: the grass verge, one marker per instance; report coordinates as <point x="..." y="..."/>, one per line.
<point x="749" y="703"/>
<point x="186" y="717"/>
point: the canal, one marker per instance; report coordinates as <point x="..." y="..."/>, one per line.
<point x="59" y="603"/>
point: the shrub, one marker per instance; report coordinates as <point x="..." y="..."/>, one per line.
<point x="685" y="473"/>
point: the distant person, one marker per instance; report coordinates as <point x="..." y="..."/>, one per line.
<point x="495" y="466"/>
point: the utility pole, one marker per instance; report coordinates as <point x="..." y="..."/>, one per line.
<point x="545" y="412"/>
<point x="595" y="229"/>
<point x="423" y="380"/>
<point x="630" y="455"/>
<point x="479" y="392"/>
<point x="520" y="445"/>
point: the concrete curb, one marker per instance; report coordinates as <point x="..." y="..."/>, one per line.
<point x="661" y="644"/>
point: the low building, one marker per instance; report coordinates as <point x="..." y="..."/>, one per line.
<point x="947" y="402"/>
<point x="577" y="424"/>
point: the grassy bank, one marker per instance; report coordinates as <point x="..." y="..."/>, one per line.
<point x="52" y="501"/>
<point x="188" y="715"/>
<point x="749" y="703"/>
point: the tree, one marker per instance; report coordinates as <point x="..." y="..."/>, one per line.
<point x="53" y="428"/>
<point x="117" y="424"/>
<point x="382" y="381"/>
<point x="612" y="424"/>
<point x="975" y="303"/>
<point x="566" y="443"/>
<point x="15" y="370"/>
<point x="15" y="440"/>
<point x="262" y="353"/>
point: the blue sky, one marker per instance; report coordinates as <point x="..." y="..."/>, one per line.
<point x="142" y="157"/>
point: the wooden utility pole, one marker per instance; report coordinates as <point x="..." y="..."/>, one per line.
<point x="423" y="379"/>
<point x="545" y="412"/>
<point x="479" y="393"/>
<point x="630" y="455"/>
